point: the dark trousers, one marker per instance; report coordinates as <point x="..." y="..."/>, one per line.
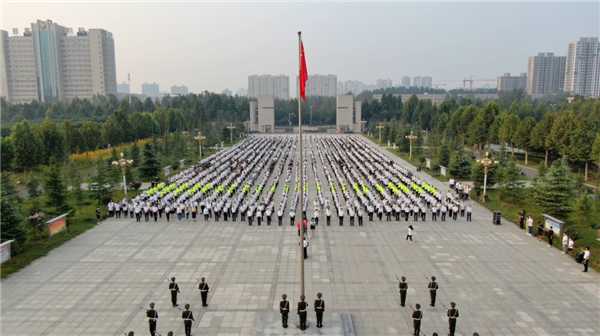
<point x="462" y="213"/>
<point x="351" y="221"/>
<point x="319" y="318"/>
<point x="432" y="294"/>
<point x="174" y="298"/>
<point x="408" y="236"/>
<point x="280" y="221"/>
<point x="328" y="220"/>
<point x="417" y="326"/>
<point x="302" y="320"/>
<point x="585" y="265"/>
<point x="452" y="326"/>
<point x="443" y="216"/>
<point x="284" y="319"/>
<point x="341" y="221"/>
<point x="360" y="222"/>
<point x="204" y="297"/>
<point x="454" y="215"/>
<point x="292" y="220"/>
<point x="469" y="217"/>
<point x="152" y="325"/>
<point x="188" y="327"/>
<point x="433" y="216"/>
<point x="268" y="220"/>
<point x="305" y="253"/>
<point x="402" y="298"/>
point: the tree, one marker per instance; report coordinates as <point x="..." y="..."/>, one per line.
<point x="584" y="207"/>
<point x="443" y="155"/>
<point x="100" y="185"/>
<point x="111" y="132"/>
<point x="54" y="186"/>
<point x="558" y="191"/>
<point x="508" y="129"/>
<point x="12" y="226"/>
<point x="560" y="136"/>
<point x="539" y="135"/>
<point x="150" y="166"/>
<point x="522" y="137"/>
<point x="53" y="140"/>
<point x="478" y="174"/>
<point x="33" y="187"/>
<point x="135" y="154"/>
<point x="409" y="109"/>
<point x="581" y="142"/>
<point x="29" y="147"/>
<point x="9" y="152"/>
<point x="459" y="165"/>
<point x="596" y="151"/>
<point x="508" y="180"/>
<point x="90" y="136"/>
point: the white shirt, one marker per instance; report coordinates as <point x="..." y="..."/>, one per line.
<point x="586" y="255"/>
<point x="410" y="231"/>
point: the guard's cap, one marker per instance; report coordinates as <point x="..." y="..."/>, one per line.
<point x="418" y="306"/>
<point x="130" y="333"/>
<point x="284" y="296"/>
<point x="302" y="297"/>
<point x="452" y="304"/>
<point x="433" y="278"/>
<point x="434" y="334"/>
<point x="173" y="279"/>
<point x="170" y="333"/>
<point x="151" y="304"/>
<point x="403" y="278"/>
<point x="203" y="278"/>
<point x="187" y="306"/>
<point x="319" y="295"/>
<point x="475" y="334"/>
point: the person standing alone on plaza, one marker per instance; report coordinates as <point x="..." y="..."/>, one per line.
<point x="410" y="233"/>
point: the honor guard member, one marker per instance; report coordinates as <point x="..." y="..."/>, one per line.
<point x="130" y="333"/>
<point x="302" y="312"/>
<point x="452" y="316"/>
<point x="433" y="287"/>
<point x="174" y="288"/>
<point x="417" y="315"/>
<point x="187" y="317"/>
<point x="152" y="316"/>
<point x="203" y="287"/>
<point x="284" y="309"/>
<point x="403" y="287"/>
<point x="319" y="308"/>
<point x="170" y="333"/>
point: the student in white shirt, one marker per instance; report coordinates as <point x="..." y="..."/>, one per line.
<point x="586" y="259"/>
<point x="410" y="233"/>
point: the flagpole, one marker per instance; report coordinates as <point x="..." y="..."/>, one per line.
<point x="301" y="166"/>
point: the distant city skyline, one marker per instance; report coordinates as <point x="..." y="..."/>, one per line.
<point x="236" y="40"/>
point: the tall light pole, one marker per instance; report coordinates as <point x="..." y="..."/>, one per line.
<point x="411" y="137"/>
<point x="123" y="164"/>
<point x="380" y="127"/>
<point x="290" y="118"/>
<point x="231" y="128"/>
<point x="200" y="138"/>
<point x="363" y="122"/>
<point x="310" y="115"/>
<point x="487" y="162"/>
<point x="247" y="122"/>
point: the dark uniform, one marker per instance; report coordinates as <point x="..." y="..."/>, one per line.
<point x="452" y="316"/>
<point x="319" y="308"/>
<point x="203" y="287"/>
<point x="403" y="287"/>
<point x="302" y="306"/>
<point x="152" y="316"/>
<point x="284" y="309"/>
<point x="187" y="317"/>
<point x="174" y="288"/>
<point x="433" y="286"/>
<point x="417" y="315"/>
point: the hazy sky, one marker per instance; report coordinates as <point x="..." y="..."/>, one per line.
<point x="213" y="46"/>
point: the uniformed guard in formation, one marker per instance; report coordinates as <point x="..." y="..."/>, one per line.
<point x="203" y="287"/>
<point x="452" y="316"/>
<point x="417" y="315"/>
<point x="284" y="309"/>
<point x="187" y="317"/>
<point x="319" y="308"/>
<point x="152" y="316"/>
<point x="403" y="287"/>
<point x="174" y="288"/>
<point x="433" y="287"/>
<point x="302" y="312"/>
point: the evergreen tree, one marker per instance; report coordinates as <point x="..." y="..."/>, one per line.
<point x="12" y="226"/>
<point x="53" y="141"/>
<point x="8" y="152"/>
<point x="508" y="180"/>
<point x="443" y="155"/>
<point x="459" y="165"/>
<point x="585" y="207"/>
<point x="54" y="186"/>
<point x="33" y="187"/>
<point x="478" y="174"/>
<point x="150" y="166"/>
<point x="29" y="147"/>
<point x="100" y="185"/>
<point x="135" y="154"/>
<point x="557" y="194"/>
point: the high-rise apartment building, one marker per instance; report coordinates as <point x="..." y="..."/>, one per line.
<point x="123" y="87"/>
<point x="583" y="67"/>
<point x="269" y="85"/>
<point x="545" y="74"/>
<point x="427" y="81"/>
<point x="242" y="92"/>
<point x="151" y="90"/>
<point x="509" y="83"/>
<point x="227" y="92"/>
<point x="49" y="61"/>
<point x="417" y="81"/>
<point x="321" y="85"/>
<point x="179" y="90"/>
<point x="383" y="83"/>
<point x="405" y="82"/>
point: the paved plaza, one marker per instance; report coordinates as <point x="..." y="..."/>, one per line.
<point x="504" y="282"/>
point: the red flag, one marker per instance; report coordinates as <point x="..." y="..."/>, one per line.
<point x="303" y="74"/>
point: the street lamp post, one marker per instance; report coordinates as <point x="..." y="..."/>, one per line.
<point x="363" y="122"/>
<point x="123" y="164"/>
<point x="487" y="162"/>
<point x="290" y="118"/>
<point x="200" y="138"/>
<point x="411" y="137"/>
<point x="380" y="127"/>
<point x="231" y="128"/>
<point x="247" y="122"/>
<point x="310" y="123"/>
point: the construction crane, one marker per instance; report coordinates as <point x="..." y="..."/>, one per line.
<point x="475" y="80"/>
